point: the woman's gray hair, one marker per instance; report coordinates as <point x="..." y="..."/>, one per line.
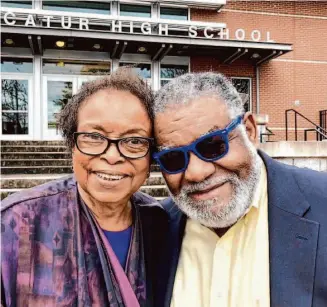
<point x="185" y="88"/>
<point x="123" y="79"/>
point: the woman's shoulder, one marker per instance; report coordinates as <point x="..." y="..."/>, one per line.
<point x="38" y="194"/>
<point x="148" y="204"/>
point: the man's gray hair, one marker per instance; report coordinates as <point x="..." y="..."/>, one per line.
<point x="185" y="88"/>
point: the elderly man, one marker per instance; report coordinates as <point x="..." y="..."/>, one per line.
<point x="246" y="230"/>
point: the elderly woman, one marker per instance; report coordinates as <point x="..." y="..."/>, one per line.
<point x="90" y="239"/>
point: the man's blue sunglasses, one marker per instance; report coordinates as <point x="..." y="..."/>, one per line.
<point x="210" y="147"/>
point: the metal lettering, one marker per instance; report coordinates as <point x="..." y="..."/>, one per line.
<point x="146" y="28"/>
<point x="83" y="22"/>
<point x="8" y="22"/>
<point x="30" y="21"/>
<point x="192" y="31"/>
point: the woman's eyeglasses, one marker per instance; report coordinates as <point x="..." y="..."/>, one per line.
<point x="95" y="144"/>
<point x="209" y="147"/>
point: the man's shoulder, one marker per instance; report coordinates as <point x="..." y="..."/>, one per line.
<point x="37" y="193"/>
<point x="309" y="181"/>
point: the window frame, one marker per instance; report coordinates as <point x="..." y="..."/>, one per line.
<point x="135" y="4"/>
<point x="175" y="6"/>
<point x="186" y="61"/>
<point x="30" y="114"/>
<point x="58" y="11"/>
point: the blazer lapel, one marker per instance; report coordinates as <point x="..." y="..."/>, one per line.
<point x="292" y="239"/>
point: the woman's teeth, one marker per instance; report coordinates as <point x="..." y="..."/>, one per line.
<point x="109" y="177"/>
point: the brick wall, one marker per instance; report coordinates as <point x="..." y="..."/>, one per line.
<point x="299" y="75"/>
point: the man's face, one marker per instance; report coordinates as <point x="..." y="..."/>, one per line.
<point x="215" y="193"/>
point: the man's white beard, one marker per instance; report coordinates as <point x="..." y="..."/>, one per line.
<point x="223" y="215"/>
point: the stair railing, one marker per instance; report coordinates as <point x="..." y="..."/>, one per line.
<point x="323" y="120"/>
<point x="267" y="133"/>
<point x="321" y="133"/>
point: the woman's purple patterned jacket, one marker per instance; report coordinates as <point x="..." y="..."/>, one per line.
<point x="48" y="251"/>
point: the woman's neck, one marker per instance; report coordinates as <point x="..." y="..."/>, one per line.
<point x="110" y="216"/>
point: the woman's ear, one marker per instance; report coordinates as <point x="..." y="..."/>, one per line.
<point x="251" y="127"/>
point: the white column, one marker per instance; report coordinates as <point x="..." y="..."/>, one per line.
<point x="37" y="102"/>
<point x="115" y="64"/>
<point x="114" y="8"/>
<point x="155" y="75"/>
<point x="37" y="4"/>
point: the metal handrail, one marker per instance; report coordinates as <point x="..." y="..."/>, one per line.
<point x="319" y="130"/>
<point x="323" y="119"/>
<point x="266" y="134"/>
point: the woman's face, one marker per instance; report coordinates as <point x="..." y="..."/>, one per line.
<point x="111" y="178"/>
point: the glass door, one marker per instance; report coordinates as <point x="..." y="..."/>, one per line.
<point x="57" y="92"/>
<point x="16" y="107"/>
<point x="84" y="79"/>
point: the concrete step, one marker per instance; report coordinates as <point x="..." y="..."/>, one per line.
<point x="28" y="181"/>
<point x="158" y="191"/>
<point x="33" y="148"/>
<point x="36" y="162"/>
<point x="34" y="155"/>
<point x="32" y="143"/>
<point x="36" y="170"/>
<point x="47" y="169"/>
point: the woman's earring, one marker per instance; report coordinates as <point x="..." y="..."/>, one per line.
<point x="148" y="174"/>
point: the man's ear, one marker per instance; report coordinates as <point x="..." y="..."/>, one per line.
<point x="251" y="127"/>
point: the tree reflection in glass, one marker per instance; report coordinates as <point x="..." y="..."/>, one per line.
<point x="14" y="100"/>
<point x="243" y="88"/>
<point x="59" y="92"/>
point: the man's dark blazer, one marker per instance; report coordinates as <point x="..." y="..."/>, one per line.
<point x="297" y="216"/>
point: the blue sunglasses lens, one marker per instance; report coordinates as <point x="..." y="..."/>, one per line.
<point x="210" y="148"/>
<point x="173" y="161"/>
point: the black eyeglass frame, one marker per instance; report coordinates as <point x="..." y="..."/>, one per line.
<point x="114" y="141"/>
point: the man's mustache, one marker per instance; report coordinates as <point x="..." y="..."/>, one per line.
<point x="208" y="183"/>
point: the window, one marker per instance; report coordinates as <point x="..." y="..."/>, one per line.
<point x="78" y="6"/>
<point x="143" y="70"/>
<point x="174" y="13"/>
<point x="170" y="71"/>
<point x="15" y="95"/>
<point x="243" y="86"/>
<point x="135" y="10"/>
<point x="24" y="4"/>
<point x="63" y="67"/>
<point x="16" y="65"/>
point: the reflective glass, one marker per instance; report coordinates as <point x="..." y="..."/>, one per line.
<point x="14" y="95"/>
<point x="143" y="70"/>
<point x="174" y="13"/>
<point x="91" y="7"/>
<point x="14" y="123"/>
<point x="172" y="71"/>
<point x="163" y="82"/>
<point x="243" y="86"/>
<point x="135" y="10"/>
<point x="24" y="4"/>
<point x="59" y="92"/>
<point x="75" y="68"/>
<point x="16" y="65"/>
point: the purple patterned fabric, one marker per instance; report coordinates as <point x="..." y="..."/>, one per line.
<point x="50" y="251"/>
